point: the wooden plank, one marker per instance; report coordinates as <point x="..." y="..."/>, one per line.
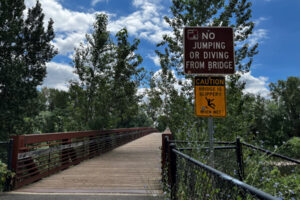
<point x="134" y="167"/>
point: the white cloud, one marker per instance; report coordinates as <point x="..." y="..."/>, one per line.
<point x="260" y="20"/>
<point x="58" y="76"/>
<point x="64" y="19"/>
<point x="94" y="2"/>
<point x="258" y="36"/>
<point x="155" y="59"/>
<point x="70" y="26"/>
<point x="143" y="92"/>
<point x="255" y="85"/>
<point x="66" y="43"/>
<point x="146" y="22"/>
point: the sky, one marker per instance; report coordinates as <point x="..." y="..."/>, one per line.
<point x="277" y="31"/>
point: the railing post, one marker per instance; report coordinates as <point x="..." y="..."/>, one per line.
<point x="239" y="157"/>
<point x="173" y="171"/>
<point x="17" y="145"/>
<point x="166" y="137"/>
<point x="9" y="154"/>
<point x="9" y="164"/>
<point x="164" y="151"/>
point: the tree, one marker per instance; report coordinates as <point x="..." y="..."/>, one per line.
<point x="55" y="115"/>
<point x="24" y="50"/>
<point x="106" y="95"/>
<point x="286" y="95"/>
<point x="91" y="64"/>
<point x="232" y="13"/>
<point x="127" y="78"/>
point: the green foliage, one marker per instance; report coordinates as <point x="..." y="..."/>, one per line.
<point x="271" y="175"/>
<point x="91" y="95"/>
<point x="276" y="120"/>
<point x="239" y="112"/>
<point x="292" y="148"/>
<point x="127" y="78"/>
<point x="25" y="48"/>
<point x="4" y="176"/>
<point x="275" y="183"/>
<point x="141" y="119"/>
<point x="162" y="123"/>
<point x="286" y="94"/>
<point x="106" y="95"/>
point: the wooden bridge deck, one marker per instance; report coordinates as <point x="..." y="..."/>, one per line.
<point x="134" y="168"/>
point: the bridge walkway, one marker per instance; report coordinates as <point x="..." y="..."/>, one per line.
<point x="132" y="171"/>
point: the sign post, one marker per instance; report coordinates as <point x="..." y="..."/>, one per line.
<point x="209" y="51"/>
<point x="211" y="142"/>
<point x="210" y="101"/>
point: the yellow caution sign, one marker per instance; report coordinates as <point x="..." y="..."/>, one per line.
<point x="210" y="96"/>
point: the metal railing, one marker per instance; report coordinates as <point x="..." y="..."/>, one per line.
<point x="271" y="171"/>
<point x="270" y="153"/>
<point x="196" y="180"/>
<point x="189" y="178"/>
<point x="37" y="156"/>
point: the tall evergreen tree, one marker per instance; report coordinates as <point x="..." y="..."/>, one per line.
<point x="24" y="50"/>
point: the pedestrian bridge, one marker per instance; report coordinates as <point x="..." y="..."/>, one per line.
<point x="123" y="162"/>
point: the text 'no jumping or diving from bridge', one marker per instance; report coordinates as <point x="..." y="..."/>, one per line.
<point x="208" y="50"/>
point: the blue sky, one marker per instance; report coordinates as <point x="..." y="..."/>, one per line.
<point x="279" y="52"/>
<point x="277" y="31"/>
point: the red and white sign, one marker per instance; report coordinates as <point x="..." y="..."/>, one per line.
<point x="208" y="50"/>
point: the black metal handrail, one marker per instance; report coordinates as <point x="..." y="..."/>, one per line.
<point x="244" y="188"/>
<point x="270" y="153"/>
<point x="206" y="148"/>
<point x="201" y="142"/>
<point x="177" y="165"/>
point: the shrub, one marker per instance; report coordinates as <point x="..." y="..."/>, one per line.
<point x="272" y="175"/>
<point x="292" y="148"/>
<point x="5" y="174"/>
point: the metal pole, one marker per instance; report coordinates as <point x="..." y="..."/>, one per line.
<point x="211" y="141"/>
<point x="173" y="168"/>
<point x="239" y="156"/>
